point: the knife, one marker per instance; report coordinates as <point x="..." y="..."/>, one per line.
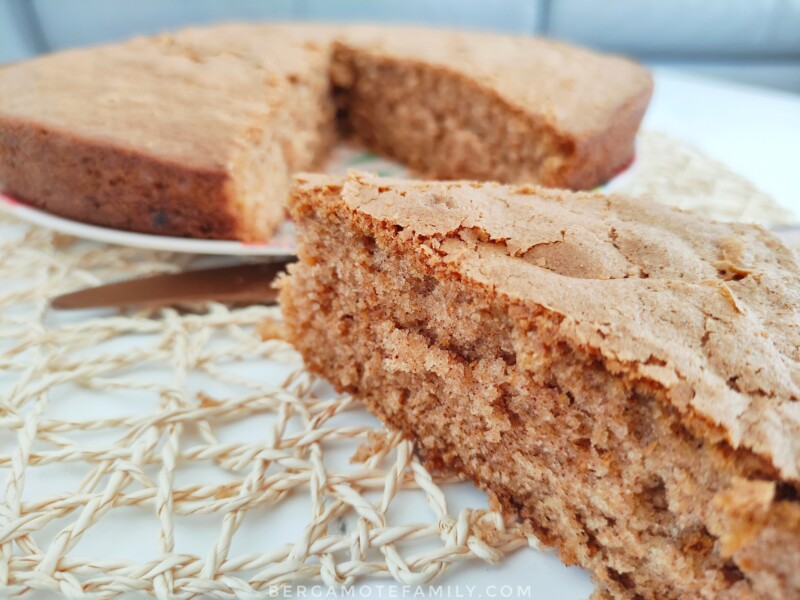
<point x="233" y="283"/>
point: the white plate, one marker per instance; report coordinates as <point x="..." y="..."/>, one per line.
<point x="280" y="245"/>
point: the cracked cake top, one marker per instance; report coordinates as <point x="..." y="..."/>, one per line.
<point x="710" y="312"/>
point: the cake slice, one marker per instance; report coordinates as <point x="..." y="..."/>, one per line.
<point x="189" y="134"/>
<point x="469" y="105"/>
<point x="626" y="378"/>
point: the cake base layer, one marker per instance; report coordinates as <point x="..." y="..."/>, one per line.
<point x="603" y="469"/>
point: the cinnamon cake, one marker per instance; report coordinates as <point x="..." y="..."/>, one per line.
<point x="625" y="378"/>
<point x="197" y="133"/>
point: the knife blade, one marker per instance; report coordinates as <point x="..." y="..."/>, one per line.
<point x="233" y="283"/>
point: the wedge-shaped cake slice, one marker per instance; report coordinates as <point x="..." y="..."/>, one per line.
<point x="624" y="377"/>
<point x="188" y="134"/>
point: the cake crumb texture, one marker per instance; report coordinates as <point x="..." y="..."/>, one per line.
<point x="457" y="105"/>
<point x="624" y="378"/>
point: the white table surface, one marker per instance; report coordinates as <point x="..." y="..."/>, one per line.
<point x="755" y="132"/>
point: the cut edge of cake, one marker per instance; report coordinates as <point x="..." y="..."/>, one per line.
<point x="426" y="98"/>
<point x="605" y="466"/>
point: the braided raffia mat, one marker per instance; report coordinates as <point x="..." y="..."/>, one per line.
<point x="165" y="423"/>
<point x="677" y="173"/>
<point x="161" y="445"/>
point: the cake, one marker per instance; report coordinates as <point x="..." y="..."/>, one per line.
<point x="197" y="133"/>
<point x="490" y="107"/>
<point x="623" y="377"/>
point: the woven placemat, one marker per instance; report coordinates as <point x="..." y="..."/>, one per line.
<point x="170" y="383"/>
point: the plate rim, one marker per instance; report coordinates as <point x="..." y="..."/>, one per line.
<point x="132" y="239"/>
